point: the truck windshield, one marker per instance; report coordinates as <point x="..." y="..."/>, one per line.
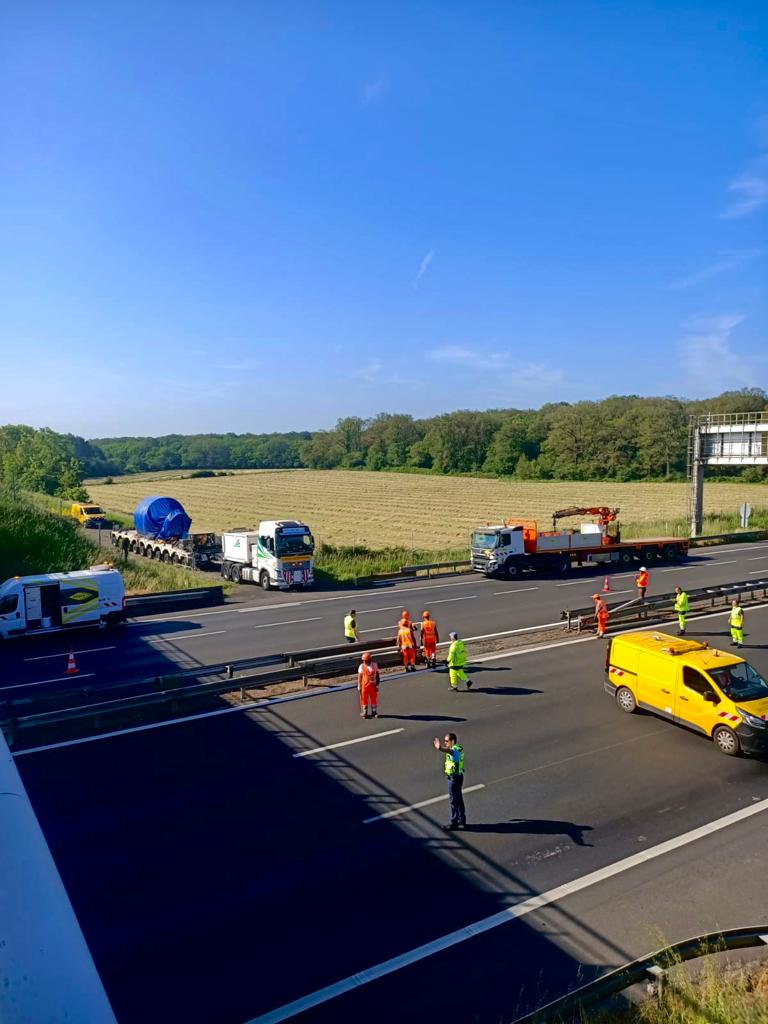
<point x="484" y="539"/>
<point x="740" y="682"/>
<point x="301" y="545"/>
<point x="93" y="510"/>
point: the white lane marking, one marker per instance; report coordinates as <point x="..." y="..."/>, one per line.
<point x="288" y="622"/>
<point x="268" y="607"/>
<point x="731" y="562"/>
<point x="42" y="682"/>
<point x="348" y="743"/>
<point x="448" y="600"/>
<point x="576" y="583"/>
<point x="520" y="590"/>
<point x="185" y="636"/>
<point x="757" y="558"/>
<point x="421" y="803"/>
<point x="258" y="705"/>
<point x="752" y="572"/>
<point x="438" y="586"/>
<point x="375" y="629"/>
<point x="513" y="913"/>
<point x="389" y="608"/>
<point x="65" y="654"/>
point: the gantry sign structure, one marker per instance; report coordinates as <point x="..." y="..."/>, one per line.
<point x="723" y="439"/>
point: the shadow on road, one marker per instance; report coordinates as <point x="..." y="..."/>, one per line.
<point x="426" y="718"/>
<point x="535" y="826"/>
<point x="506" y="691"/>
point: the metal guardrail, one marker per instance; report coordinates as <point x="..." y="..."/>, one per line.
<point x="650" y="968"/>
<point x="728" y="538"/>
<point x="651" y="607"/>
<point x="172" y="600"/>
<point x="412" y="570"/>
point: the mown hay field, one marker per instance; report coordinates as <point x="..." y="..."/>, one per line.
<point x="345" y="507"/>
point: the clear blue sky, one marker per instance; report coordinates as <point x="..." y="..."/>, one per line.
<point x="262" y="216"/>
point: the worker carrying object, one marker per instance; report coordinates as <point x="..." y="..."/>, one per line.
<point x="350" y="626"/>
<point x="368" y="686"/>
<point x="681" y="607"/>
<point x="429" y="639"/>
<point x="601" y="615"/>
<point x="736" y="622"/>
<point x="406" y="644"/>
<point x="641" y="582"/>
<point x="457" y="659"/>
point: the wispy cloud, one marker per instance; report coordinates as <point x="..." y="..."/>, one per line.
<point x="424" y="267"/>
<point x="708" y="356"/>
<point x="531" y="375"/>
<point x="749" y="191"/>
<point x="370" y="372"/>
<point x="727" y="261"/>
<point x="373" y="90"/>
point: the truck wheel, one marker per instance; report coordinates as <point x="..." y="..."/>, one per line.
<point x="134" y="547"/>
<point x="672" y="554"/>
<point x="264" y="580"/>
<point x="625" y="558"/>
<point x="563" y="565"/>
<point x="225" y="570"/>
<point x="166" y="557"/>
<point x="626" y="700"/>
<point x="174" y="559"/>
<point x="511" y="569"/>
<point x="726" y="740"/>
<point x="649" y="555"/>
<point x="235" y="573"/>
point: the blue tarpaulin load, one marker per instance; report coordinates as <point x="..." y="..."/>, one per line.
<point x="162" y="518"/>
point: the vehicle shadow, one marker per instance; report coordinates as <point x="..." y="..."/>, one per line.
<point x="506" y="691"/>
<point x="535" y="826"/>
<point x="425" y="718"/>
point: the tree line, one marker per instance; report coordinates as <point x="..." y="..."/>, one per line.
<point x="618" y="438"/>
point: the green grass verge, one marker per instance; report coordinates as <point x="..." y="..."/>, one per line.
<point x="344" y="564"/>
<point x="723" y="523"/>
<point x="34" y="540"/>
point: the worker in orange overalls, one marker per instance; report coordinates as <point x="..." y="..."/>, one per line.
<point x="601" y="615"/>
<point x="368" y="686"/>
<point x="429" y="639"/>
<point x="406" y="643"/>
<point x="641" y="582"/>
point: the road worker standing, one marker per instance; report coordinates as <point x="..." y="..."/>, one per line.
<point x="641" y="582"/>
<point x="429" y="639"/>
<point x="681" y="607"/>
<point x="736" y="622"/>
<point x="453" y="766"/>
<point x="350" y="626"/>
<point x="406" y="644"/>
<point x="457" y="659"/>
<point x="368" y="686"/>
<point x="601" y="615"/>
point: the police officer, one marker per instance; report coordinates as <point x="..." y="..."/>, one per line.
<point x="681" y="607"/>
<point x="453" y="766"/>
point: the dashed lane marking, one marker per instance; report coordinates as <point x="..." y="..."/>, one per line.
<point x="348" y="743"/>
<point x="185" y="636"/>
<point x="415" y="807"/>
<point x="288" y="622"/>
<point x="520" y="590"/>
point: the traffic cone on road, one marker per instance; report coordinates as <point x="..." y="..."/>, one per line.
<point x="72" y="668"/>
<point x="606" y="585"/>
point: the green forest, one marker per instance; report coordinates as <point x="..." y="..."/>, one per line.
<point x="619" y="438"/>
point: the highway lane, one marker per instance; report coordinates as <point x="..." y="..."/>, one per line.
<point x="218" y="876"/>
<point x="267" y="623"/>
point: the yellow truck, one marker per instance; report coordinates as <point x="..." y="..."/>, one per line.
<point x="89" y="515"/>
<point x="688" y="682"/>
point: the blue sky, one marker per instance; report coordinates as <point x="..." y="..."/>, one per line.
<point x="262" y="216"/>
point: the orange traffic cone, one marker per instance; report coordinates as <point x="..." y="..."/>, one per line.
<point x="72" y="668"/>
<point x="606" y="585"/>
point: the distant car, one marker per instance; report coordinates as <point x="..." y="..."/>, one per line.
<point x="90" y="516"/>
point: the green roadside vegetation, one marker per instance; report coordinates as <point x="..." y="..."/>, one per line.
<point x="712" y="525"/>
<point x="344" y="564"/>
<point x="34" y="539"/>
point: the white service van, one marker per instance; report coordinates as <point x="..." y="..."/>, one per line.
<point x="56" y="601"/>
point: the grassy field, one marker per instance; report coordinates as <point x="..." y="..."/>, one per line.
<point x="415" y="512"/>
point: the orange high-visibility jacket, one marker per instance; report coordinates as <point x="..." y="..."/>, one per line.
<point x="642" y="579"/>
<point x="367" y="675"/>
<point x="428" y="633"/>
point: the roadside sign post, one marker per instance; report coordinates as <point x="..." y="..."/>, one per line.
<point x="745" y="511"/>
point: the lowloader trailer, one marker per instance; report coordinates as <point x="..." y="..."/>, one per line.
<point x="517" y="545"/>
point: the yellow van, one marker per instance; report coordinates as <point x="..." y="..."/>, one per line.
<point x="687" y="681"/>
<point x="89" y="515"/>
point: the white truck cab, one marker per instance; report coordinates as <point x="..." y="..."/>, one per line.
<point x="56" y="601"/>
<point x="278" y="554"/>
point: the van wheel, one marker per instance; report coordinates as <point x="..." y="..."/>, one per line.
<point x="726" y="740"/>
<point x="264" y="579"/>
<point x="626" y="700"/>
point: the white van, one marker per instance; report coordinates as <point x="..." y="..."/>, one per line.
<point x="56" y="601"/>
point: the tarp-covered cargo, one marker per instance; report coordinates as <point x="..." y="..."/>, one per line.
<point x="162" y="518"/>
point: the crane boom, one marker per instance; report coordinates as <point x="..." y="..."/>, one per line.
<point x="606" y="515"/>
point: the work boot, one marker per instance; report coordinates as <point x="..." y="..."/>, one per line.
<point x="449" y="828"/>
<point x="363" y="714"/>
<point x="469" y="684"/>
<point x="374" y="713"/>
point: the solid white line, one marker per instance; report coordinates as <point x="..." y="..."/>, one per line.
<point x="512" y="913"/>
<point x="184" y="636"/>
<point x="348" y="743"/>
<point x="65" y="654"/>
<point x="521" y="590"/>
<point x="42" y="682"/>
<point x="421" y="803"/>
<point x="288" y="622"/>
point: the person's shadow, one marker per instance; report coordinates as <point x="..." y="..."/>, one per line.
<point x="536" y="826"/>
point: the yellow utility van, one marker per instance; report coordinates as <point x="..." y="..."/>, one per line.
<point x="709" y="691"/>
<point x="89" y="515"/>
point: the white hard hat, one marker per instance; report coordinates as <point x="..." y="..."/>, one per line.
<point x="453" y="636"/>
<point x="643" y="569"/>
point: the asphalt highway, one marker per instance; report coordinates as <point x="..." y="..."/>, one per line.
<point x="287" y="860"/>
<point x="257" y="623"/>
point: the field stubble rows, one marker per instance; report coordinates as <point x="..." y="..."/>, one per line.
<point x="376" y="510"/>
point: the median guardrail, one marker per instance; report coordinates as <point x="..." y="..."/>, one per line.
<point x="173" y="600"/>
<point x="652" y="968"/>
<point x="653" y="608"/>
<point x="728" y="538"/>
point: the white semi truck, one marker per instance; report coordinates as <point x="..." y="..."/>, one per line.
<point x="278" y="554"/>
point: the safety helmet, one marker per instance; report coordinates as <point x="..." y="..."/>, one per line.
<point x="366" y="656"/>
<point x="643" y="569"/>
<point x="425" y="615"/>
<point x="453" y="636"/>
<point x="595" y="597"/>
<point x="406" y="615"/>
